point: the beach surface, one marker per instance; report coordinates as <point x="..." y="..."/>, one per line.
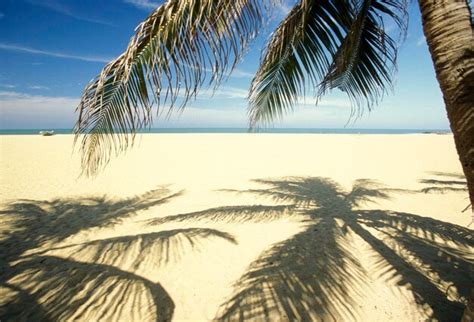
<point x="236" y="227"/>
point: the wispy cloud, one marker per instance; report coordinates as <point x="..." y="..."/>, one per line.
<point x="21" y="110"/>
<point x="2" y="15"/>
<point x="144" y="4"/>
<point x="19" y="48"/>
<point x="60" y="7"/>
<point x="421" y="41"/>
<point x="205" y="117"/>
<point x="7" y="86"/>
<point x="237" y="73"/>
<point x="224" y="92"/>
<point x="39" y="87"/>
<point x="324" y="102"/>
<point x="284" y="8"/>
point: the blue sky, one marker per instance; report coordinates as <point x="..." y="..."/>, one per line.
<point x="50" y="49"/>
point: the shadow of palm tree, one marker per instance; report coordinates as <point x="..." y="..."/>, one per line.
<point x="30" y="224"/>
<point x="317" y="273"/>
<point x="100" y="279"/>
<point x="49" y="288"/>
<point x="442" y="182"/>
<point x="141" y="251"/>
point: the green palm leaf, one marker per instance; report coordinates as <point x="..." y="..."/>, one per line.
<point x="363" y="65"/>
<point x="324" y="45"/>
<point x="298" y="52"/>
<point x="165" y="64"/>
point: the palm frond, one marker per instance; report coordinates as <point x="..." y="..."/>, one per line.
<point x="165" y="64"/>
<point x="324" y="45"/>
<point x="364" y="63"/>
<point x="298" y="53"/>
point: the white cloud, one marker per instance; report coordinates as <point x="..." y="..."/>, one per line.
<point x="324" y="102"/>
<point x="237" y="73"/>
<point x="143" y="4"/>
<point x="234" y="117"/>
<point x="205" y="117"/>
<point x="421" y="41"/>
<point x="39" y="87"/>
<point x="7" y="85"/>
<point x="224" y="92"/>
<point x="18" y="48"/>
<point x="19" y="110"/>
<point x="313" y="117"/>
<point x="285" y="7"/>
<point x="60" y="7"/>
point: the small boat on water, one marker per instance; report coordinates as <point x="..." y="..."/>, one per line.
<point x="46" y="133"/>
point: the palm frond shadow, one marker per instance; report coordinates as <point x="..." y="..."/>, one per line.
<point x="442" y="182"/>
<point x="100" y="279"/>
<point x="33" y="223"/>
<point x="316" y="274"/>
<point x="234" y="214"/>
<point x="54" y="288"/>
<point x="136" y="252"/>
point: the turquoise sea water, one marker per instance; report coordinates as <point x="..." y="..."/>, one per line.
<point x="244" y="130"/>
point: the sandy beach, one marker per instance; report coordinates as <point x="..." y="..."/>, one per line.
<point x="236" y="226"/>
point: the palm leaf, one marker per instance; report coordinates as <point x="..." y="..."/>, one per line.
<point x="298" y="52"/>
<point x="165" y="64"/>
<point x="363" y="65"/>
<point x="324" y="45"/>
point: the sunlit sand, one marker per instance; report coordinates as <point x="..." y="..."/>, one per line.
<point x="236" y="226"/>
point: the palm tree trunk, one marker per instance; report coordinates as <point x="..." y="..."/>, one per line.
<point x="449" y="32"/>
<point x="450" y="36"/>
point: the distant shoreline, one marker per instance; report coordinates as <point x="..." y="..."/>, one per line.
<point x="245" y="130"/>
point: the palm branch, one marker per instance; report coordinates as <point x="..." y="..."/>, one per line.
<point x="325" y="45"/>
<point x="164" y="65"/>
<point x="322" y="44"/>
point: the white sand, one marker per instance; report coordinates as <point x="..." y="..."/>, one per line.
<point x="144" y="240"/>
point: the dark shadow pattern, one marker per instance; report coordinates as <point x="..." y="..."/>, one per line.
<point x="32" y="224"/>
<point x="136" y="252"/>
<point x="316" y="276"/>
<point x="104" y="284"/>
<point x="57" y="289"/>
<point x="443" y="182"/>
<point x="231" y="214"/>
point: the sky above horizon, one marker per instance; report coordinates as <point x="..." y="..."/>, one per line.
<point x="50" y="49"/>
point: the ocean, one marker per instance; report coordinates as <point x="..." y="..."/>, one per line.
<point x="244" y="130"/>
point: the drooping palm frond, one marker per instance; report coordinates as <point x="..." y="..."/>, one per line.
<point x="326" y="44"/>
<point x="298" y="53"/>
<point x="165" y="64"/>
<point x="363" y="65"/>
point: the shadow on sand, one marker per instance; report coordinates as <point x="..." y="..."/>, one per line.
<point x="316" y="274"/>
<point x="105" y="283"/>
<point x="443" y="182"/>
